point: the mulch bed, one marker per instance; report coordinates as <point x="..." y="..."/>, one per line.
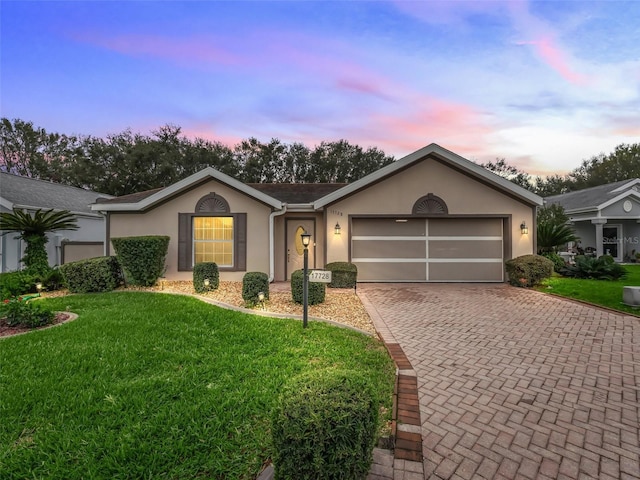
<point x="8" y="331"/>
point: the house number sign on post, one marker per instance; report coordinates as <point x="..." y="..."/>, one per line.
<point x="320" y="276"/>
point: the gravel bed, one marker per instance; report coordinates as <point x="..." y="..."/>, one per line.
<point x="340" y="305"/>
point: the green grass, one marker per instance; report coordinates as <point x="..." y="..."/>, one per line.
<point x="600" y="292"/>
<point x="147" y="385"/>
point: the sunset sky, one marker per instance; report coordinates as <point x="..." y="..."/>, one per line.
<point x="544" y="85"/>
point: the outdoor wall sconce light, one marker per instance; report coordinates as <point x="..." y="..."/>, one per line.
<point x="523" y="228"/>
<point x="306" y="240"/>
<point x="337" y="228"/>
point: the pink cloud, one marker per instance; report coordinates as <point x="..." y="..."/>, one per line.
<point x="557" y="59"/>
<point x="196" y="50"/>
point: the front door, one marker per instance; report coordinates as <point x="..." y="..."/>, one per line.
<point x="295" y="250"/>
<point x="611" y="241"/>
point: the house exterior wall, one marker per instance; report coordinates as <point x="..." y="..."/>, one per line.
<point x="397" y="194"/>
<point x="163" y="220"/>
<point x="90" y="229"/>
<point x="586" y="232"/>
<point x="616" y="210"/>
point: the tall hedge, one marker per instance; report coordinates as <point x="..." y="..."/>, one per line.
<point x="142" y="258"/>
<point x="100" y="274"/>
<point x="324" y="427"/>
<point x="316" y="290"/>
<point x="343" y="274"/>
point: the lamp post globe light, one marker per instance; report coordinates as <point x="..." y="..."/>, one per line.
<point x="306" y="240"/>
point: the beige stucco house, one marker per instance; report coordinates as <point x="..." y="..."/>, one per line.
<point x="431" y="216"/>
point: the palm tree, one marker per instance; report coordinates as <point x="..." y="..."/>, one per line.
<point x="551" y="235"/>
<point x="33" y="230"/>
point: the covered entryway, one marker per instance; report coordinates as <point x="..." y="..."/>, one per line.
<point x="413" y="249"/>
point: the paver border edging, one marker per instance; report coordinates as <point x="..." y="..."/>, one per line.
<point x="406" y="423"/>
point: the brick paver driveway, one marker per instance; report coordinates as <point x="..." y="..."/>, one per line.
<point x="517" y="384"/>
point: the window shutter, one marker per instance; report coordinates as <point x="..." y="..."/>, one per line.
<point x="241" y="242"/>
<point x="184" y="242"/>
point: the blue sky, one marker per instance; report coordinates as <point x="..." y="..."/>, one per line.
<point x="544" y="85"/>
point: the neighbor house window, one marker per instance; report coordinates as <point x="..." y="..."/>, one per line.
<point x="213" y="240"/>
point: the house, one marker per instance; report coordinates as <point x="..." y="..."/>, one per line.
<point x="63" y="246"/>
<point x="431" y="216"/>
<point x="606" y="218"/>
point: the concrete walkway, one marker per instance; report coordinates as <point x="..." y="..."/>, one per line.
<point x="515" y="384"/>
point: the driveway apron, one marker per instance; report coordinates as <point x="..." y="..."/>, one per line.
<point x="514" y="383"/>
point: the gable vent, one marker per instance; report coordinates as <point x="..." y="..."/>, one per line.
<point x="430" y="205"/>
<point x="212" y="203"/>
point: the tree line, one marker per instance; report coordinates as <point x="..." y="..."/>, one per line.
<point x="129" y="162"/>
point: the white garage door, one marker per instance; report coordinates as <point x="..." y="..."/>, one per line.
<point x="428" y="250"/>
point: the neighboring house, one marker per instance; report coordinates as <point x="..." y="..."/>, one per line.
<point x="63" y="246"/>
<point x="431" y="216"/>
<point x="606" y="217"/>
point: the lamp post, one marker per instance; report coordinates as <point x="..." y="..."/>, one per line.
<point x="306" y="239"/>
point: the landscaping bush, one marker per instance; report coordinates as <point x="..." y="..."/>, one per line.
<point x="252" y="284"/>
<point x="343" y="274"/>
<point x="316" y="290"/>
<point x="21" y="311"/>
<point x="142" y="258"/>
<point x="558" y="261"/>
<point x="324" y="427"/>
<point x="528" y="270"/>
<point x="14" y="284"/>
<point x="602" y="268"/>
<point x="99" y="274"/>
<point x="203" y="271"/>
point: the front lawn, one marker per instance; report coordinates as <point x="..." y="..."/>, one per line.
<point x="600" y="292"/>
<point x="146" y="385"/>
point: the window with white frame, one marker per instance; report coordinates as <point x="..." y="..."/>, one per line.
<point x="213" y="240"/>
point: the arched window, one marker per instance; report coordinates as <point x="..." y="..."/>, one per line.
<point x="430" y="205"/>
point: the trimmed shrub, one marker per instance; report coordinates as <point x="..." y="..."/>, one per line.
<point x="99" y="274"/>
<point x="142" y="258"/>
<point x="252" y="284"/>
<point x="14" y="284"/>
<point x="528" y="270"/>
<point x="203" y="271"/>
<point x="558" y="261"/>
<point x="316" y="290"/>
<point x="343" y="274"/>
<point x="602" y="268"/>
<point x="324" y="427"/>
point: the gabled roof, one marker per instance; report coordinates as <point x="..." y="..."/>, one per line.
<point x="30" y="193"/>
<point x="595" y="198"/>
<point x="145" y="200"/>
<point x="444" y="155"/>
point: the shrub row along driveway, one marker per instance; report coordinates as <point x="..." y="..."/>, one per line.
<point x="517" y="384"/>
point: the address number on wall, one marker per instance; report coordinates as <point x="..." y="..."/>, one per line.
<point x="320" y="276"/>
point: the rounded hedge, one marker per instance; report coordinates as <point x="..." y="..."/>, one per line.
<point x="324" y="426"/>
<point x="205" y="271"/>
<point x="252" y="284"/>
<point x="528" y="270"/>
<point x="343" y="274"/>
<point x="316" y="290"/>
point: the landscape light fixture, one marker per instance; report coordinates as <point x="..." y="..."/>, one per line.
<point x="306" y="240"/>
<point x="523" y="228"/>
<point x="336" y="230"/>
<point x="39" y="286"/>
<point x="206" y="282"/>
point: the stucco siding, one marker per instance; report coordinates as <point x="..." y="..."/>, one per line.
<point x="163" y="220"/>
<point x="463" y="195"/>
